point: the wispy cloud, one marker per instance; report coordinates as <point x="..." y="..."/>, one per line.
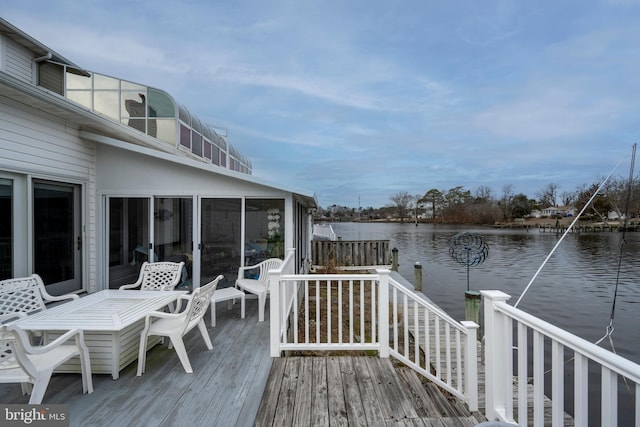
<point x="362" y="99"/>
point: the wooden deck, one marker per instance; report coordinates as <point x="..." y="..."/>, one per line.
<point x="230" y="381"/>
<point x="355" y="391"/>
<point x="224" y="390"/>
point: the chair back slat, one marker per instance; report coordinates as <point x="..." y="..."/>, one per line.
<point x="162" y="276"/>
<point x="14" y="341"/>
<point x="7" y="354"/>
<point x="21" y="294"/>
<point x="266" y="265"/>
<point x="201" y="298"/>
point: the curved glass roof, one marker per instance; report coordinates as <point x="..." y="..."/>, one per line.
<point x="155" y="113"/>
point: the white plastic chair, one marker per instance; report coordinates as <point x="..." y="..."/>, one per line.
<point x="260" y="285"/>
<point x="176" y="325"/>
<point x="26" y="295"/>
<point x="161" y="276"/>
<point x="20" y="362"/>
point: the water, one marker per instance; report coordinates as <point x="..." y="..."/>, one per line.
<point x="574" y="290"/>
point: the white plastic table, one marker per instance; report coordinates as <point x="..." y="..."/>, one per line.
<point x="111" y="321"/>
<point x="226" y="294"/>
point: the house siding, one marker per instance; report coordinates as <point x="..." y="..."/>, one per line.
<point x="35" y="144"/>
<point x="17" y="60"/>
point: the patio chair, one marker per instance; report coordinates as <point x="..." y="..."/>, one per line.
<point x="20" y="362"/>
<point x="177" y="325"/>
<point x="26" y="295"/>
<point x="258" y="285"/>
<point x="161" y="276"/>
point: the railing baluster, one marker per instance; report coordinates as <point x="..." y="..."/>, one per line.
<point x="508" y="369"/>
<point x="637" y="400"/>
<point x="351" y="340"/>
<point x="447" y="343"/>
<point x="340" y="312"/>
<point x="538" y="379"/>
<point x="416" y="337"/>
<point x="427" y="339"/>
<point x="523" y="380"/>
<point x="557" y="383"/>
<point x="458" y="384"/>
<point x="609" y="397"/>
<point x="295" y="313"/>
<point x="329" y="312"/>
<point x="306" y="312"/>
<point x="581" y="390"/>
<point x="317" y="312"/>
<point x="374" y="313"/>
<point x="436" y="329"/>
<point x="405" y="324"/>
<point x="395" y="320"/>
<point x="362" y="316"/>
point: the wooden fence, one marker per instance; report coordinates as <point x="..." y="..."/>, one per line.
<point x="350" y="253"/>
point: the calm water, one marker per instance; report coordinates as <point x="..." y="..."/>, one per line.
<point x="574" y="290"/>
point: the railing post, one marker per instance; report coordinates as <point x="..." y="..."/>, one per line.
<point x="383" y="312"/>
<point x="471" y="364"/>
<point x="274" y="314"/>
<point x="394" y="259"/>
<point x="496" y="353"/>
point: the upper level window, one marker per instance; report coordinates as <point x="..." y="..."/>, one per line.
<point x="150" y="111"/>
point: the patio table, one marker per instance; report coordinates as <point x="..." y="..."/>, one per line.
<point x="111" y="321"/>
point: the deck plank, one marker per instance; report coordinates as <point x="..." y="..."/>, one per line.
<point x="352" y="394"/>
<point x="368" y="394"/>
<point x="337" y="406"/>
<point x="320" y="406"/>
<point x="303" y="398"/>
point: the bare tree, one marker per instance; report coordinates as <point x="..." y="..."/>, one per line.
<point x="484" y="193"/>
<point x="402" y="203"/>
<point x="505" y="201"/>
<point x="548" y="196"/>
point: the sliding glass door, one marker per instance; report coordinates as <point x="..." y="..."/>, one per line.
<point x="6" y="228"/>
<point x="128" y="239"/>
<point x="173" y="233"/>
<point x="57" y="236"/>
<point x="220" y="240"/>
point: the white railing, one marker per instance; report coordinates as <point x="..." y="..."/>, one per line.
<point x="325" y="231"/>
<point x="430" y="341"/>
<point x="505" y="324"/>
<point x="347" y="312"/>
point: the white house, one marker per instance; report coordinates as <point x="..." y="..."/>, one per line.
<point x="98" y="174"/>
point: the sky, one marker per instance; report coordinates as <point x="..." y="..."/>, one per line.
<point x="357" y="101"/>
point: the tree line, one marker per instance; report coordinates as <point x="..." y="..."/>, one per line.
<point x="459" y="205"/>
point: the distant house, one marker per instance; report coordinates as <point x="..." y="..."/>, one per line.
<point x="555" y="211"/>
<point x="98" y="174"/>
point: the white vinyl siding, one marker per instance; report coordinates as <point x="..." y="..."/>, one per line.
<point x="36" y="144"/>
<point x="17" y="61"/>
